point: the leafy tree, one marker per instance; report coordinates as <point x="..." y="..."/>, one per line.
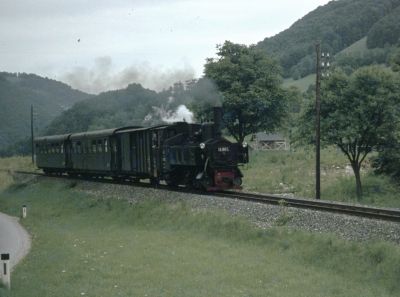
<point x="388" y="160"/>
<point x="358" y="114"/>
<point x="395" y="60"/>
<point x="249" y="83"/>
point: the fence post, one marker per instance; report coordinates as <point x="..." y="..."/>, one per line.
<point x="5" y="273"/>
<point x="24" y="211"/>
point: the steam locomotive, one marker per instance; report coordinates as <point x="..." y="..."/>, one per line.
<point x="194" y="155"/>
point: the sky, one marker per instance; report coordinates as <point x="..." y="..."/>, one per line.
<point x="99" y="45"/>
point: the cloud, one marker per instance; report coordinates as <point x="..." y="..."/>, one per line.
<point x="103" y="76"/>
<point x="51" y="8"/>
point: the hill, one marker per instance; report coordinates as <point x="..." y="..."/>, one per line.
<point x="18" y="92"/>
<point x="134" y="106"/>
<point x="337" y="25"/>
<point x="110" y="109"/>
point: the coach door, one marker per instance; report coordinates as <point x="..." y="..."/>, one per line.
<point x="156" y="152"/>
<point x="67" y="149"/>
<point x="115" y="160"/>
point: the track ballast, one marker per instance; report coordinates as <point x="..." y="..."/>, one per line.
<point x="386" y="214"/>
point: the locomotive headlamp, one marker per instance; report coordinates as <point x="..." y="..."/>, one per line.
<point x="244" y="144"/>
<point x="202" y="146"/>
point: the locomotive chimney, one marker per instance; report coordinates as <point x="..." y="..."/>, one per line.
<point x="217" y="121"/>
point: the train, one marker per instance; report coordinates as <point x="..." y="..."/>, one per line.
<point x="194" y="155"/>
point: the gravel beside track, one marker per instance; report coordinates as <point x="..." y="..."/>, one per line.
<point x="262" y="215"/>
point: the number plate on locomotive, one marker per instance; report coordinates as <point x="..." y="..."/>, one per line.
<point x="223" y="149"/>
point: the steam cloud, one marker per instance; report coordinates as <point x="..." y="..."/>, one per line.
<point x="102" y="77"/>
<point x="181" y="114"/>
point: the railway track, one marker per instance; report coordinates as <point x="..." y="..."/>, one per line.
<point x="322" y="205"/>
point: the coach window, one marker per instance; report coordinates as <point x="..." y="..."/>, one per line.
<point x="105" y="145"/>
<point x="94" y="146"/>
<point x="62" y="148"/>
<point x="154" y="139"/>
<point x="78" y="147"/>
<point x="99" y="146"/>
<point x="57" y="148"/>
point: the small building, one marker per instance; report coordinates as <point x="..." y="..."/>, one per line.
<point x="265" y="141"/>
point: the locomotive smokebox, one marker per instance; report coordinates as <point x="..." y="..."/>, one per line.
<point x="217" y="121"/>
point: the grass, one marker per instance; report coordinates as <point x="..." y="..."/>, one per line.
<point x="359" y="46"/>
<point x="302" y="84"/>
<point x="294" y="172"/>
<point x="11" y="164"/>
<point x="87" y="245"/>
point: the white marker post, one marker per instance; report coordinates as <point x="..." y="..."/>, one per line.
<point x="5" y="274"/>
<point x="23" y="211"/>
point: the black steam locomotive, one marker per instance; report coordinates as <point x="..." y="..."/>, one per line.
<point x="194" y="155"/>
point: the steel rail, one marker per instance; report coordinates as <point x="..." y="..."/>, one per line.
<point x="323" y="205"/>
<point x="387" y="214"/>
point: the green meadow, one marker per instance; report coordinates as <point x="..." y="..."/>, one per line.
<point x="293" y="172"/>
<point x="86" y="245"/>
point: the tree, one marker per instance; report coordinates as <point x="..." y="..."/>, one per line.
<point x="395" y="60"/>
<point x="249" y="83"/>
<point x="388" y="160"/>
<point x="359" y="113"/>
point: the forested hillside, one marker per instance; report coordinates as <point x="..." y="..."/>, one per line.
<point x="337" y="25"/>
<point x="133" y="106"/>
<point x="386" y="31"/>
<point x="110" y="109"/>
<point x="18" y="92"/>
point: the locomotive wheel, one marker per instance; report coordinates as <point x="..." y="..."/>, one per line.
<point x="172" y="180"/>
<point x="72" y="174"/>
<point x="154" y="181"/>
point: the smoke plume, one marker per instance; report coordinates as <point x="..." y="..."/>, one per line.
<point x="102" y="76"/>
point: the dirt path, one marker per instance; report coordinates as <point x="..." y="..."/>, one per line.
<point x="14" y="239"/>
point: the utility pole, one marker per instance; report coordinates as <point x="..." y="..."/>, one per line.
<point x="318" y="125"/>
<point x="32" y="144"/>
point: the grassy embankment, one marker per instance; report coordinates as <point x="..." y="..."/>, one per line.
<point x="12" y="164"/>
<point x="84" y="245"/>
<point x="293" y="172"/>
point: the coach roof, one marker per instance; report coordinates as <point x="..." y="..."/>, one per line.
<point x="100" y="133"/>
<point x="52" y="138"/>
